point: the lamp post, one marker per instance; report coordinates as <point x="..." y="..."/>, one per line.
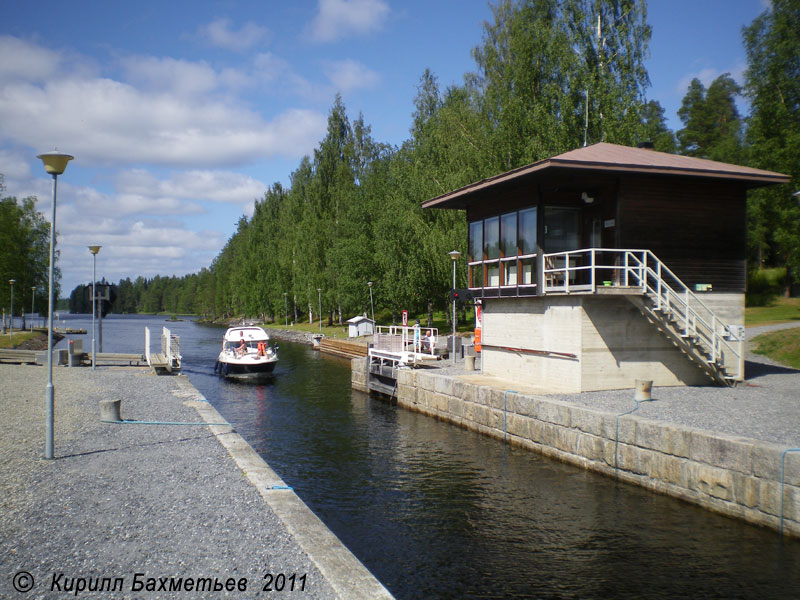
<point x="454" y="255"/>
<point x="94" y="250"/>
<point x="371" y="305"/>
<point x="319" y="297"/>
<point x="11" y="282"/>
<point x="54" y="163"/>
<point x="33" y="304"/>
<point x="286" y="307"/>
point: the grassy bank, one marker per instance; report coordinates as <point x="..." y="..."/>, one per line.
<point x="20" y="338"/>
<point x="778" y="310"/>
<point x="781" y="346"/>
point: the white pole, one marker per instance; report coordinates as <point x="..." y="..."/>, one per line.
<point x="50" y="391"/>
<point x="94" y="306"/>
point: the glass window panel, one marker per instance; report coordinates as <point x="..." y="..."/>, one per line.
<point x="508" y="234"/>
<point x="527" y="271"/>
<point x="527" y="231"/>
<point x="476" y="241"/>
<point x="491" y="237"/>
<point x="561" y="229"/>
<point x="510" y="272"/>
<point x="476" y="276"/>
<point x="493" y="275"/>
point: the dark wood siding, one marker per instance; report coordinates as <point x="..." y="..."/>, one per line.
<point x="697" y="227"/>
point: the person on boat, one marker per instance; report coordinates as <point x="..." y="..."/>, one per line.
<point x="262" y="349"/>
<point x="242" y="349"/>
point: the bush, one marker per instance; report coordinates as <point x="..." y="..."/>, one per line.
<point x="764" y="285"/>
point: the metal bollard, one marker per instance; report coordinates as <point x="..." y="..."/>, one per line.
<point x="643" y="389"/>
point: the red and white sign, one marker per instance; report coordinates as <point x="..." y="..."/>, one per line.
<point x="405" y="318"/>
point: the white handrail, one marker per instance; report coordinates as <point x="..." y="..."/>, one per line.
<point x="642" y="269"/>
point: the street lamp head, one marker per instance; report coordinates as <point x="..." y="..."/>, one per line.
<point x="55" y="162"/>
<point x="369" y="283"/>
<point x="12" y="281"/>
<point x="454" y="254"/>
<point x="94" y="249"/>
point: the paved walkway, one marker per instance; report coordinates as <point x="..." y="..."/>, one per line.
<point x="166" y="502"/>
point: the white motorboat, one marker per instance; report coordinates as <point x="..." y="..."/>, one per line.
<point x="246" y="353"/>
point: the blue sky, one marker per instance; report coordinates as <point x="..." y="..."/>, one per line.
<point x="180" y="114"/>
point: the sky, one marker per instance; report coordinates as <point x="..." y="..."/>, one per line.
<point x="181" y="114"/>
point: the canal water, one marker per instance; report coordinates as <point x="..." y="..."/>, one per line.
<point x="435" y="511"/>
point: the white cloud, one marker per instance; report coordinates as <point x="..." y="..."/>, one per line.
<point x="212" y="186"/>
<point x="338" y="19"/>
<point x="347" y="75"/>
<point x="13" y="166"/>
<point x="104" y="121"/>
<point x="181" y="77"/>
<point x="219" y="33"/>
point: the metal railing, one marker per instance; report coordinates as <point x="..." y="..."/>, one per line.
<point x="584" y="271"/>
<point x="399" y="339"/>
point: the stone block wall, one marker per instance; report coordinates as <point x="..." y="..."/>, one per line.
<point x="735" y="476"/>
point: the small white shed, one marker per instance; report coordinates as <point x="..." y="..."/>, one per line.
<point x="360" y="325"/>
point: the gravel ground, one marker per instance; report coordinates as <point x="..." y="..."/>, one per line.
<point x="766" y="407"/>
<point x="165" y="501"/>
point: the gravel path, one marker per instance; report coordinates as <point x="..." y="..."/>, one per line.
<point x="165" y="501"/>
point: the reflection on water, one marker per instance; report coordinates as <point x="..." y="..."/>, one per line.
<point x="438" y="512"/>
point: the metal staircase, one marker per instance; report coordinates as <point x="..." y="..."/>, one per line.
<point x="661" y="297"/>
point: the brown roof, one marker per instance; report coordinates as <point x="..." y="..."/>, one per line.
<point x="612" y="158"/>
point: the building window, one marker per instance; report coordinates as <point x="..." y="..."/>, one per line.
<point x="502" y="252"/>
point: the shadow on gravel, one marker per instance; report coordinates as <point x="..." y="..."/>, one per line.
<point x="759" y="369"/>
<point x="133" y="446"/>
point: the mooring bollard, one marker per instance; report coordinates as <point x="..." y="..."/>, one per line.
<point x="469" y="363"/>
<point x="643" y="389"/>
<point x="110" y="410"/>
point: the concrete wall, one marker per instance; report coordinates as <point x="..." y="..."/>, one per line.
<point x="358" y="374"/>
<point x="612" y="341"/>
<point x="735" y="476"/>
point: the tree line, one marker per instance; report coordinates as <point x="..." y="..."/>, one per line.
<point x="550" y="75"/>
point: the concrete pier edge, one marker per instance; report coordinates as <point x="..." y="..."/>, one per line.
<point x="731" y="475"/>
<point x="341" y="568"/>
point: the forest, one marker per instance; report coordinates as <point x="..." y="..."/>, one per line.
<point x="549" y="76"/>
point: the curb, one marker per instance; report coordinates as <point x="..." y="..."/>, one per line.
<point x="347" y="575"/>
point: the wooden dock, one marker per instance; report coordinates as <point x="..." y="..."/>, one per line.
<point x="343" y="348"/>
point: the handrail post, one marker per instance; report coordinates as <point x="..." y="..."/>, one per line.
<point x="714" y="337"/>
<point x="686" y="312"/>
<point x="658" y="282"/>
<point x="593" y="282"/>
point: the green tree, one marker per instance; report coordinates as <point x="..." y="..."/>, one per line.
<point x="712" y="125"/>
<point x="24" y="253"/>
<point x="655" y="128"/>
<point x="772" y="84"/>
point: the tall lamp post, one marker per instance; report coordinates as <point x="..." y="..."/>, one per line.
<point x="454" y="255"/>
<point x="371" y="305"/>
<point x="33" y="304"/>
<point x="11" y="282"/>
<point x="54" y="163"/>
<point x="319" y="297"/>
<point x="94" y="250"/>
<point x="286" y="307"/>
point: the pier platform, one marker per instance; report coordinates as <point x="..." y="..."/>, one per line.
<point x="126" y="508"/>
